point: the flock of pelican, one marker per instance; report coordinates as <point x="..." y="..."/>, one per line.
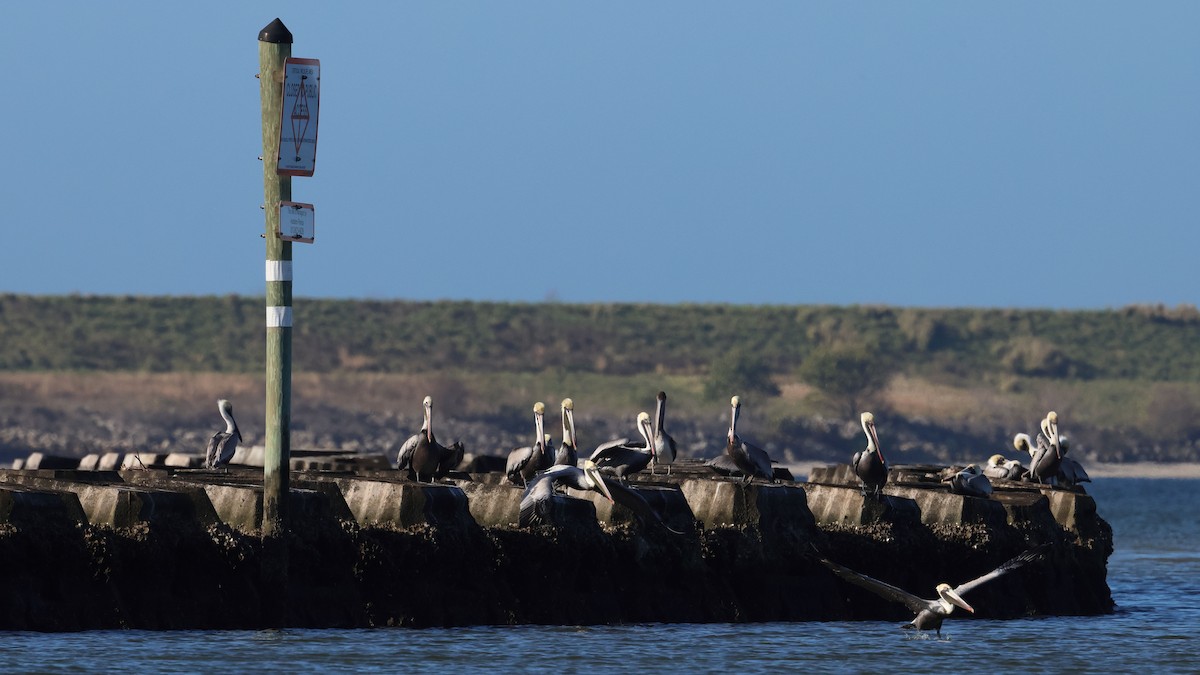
<point x="1048" y="463"/>
<point x="544" y="472"/>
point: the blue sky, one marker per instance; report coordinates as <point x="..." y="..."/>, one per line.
<point x="1022" y="154"/>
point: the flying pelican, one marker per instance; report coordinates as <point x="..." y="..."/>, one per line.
<point x="621" y="458"/>
<point x="524" y="462"/>
<point x="223" y="444"/>
<point x="1043" y="466"/>
<point x="971" y="482"/>
<point x="541" y="499"/>
<point x="869" y="464"/>
<point x="931" y="613"/>
<point x="750" y="459"/>
<point x="404" y="457"/>
<point x="566" y="453"/>
<point x="1007" y="469"/>
<point x="1070" y="472"/>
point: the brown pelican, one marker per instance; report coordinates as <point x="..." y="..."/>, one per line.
<point x="427" y="455"/>
<point x="1043" y="467"/>
<point x="971" y="482"/>
<point x="1006" y="469"/>
<point x="869" y="464"/>
<point x="566" y="453"/>
<point x="404" y="457"/>
<point x="621" y="458"/>
<point x="223" y="444"/>
<point x="664" y="445"/>
<point x="751" y="460"/>
<point x="524" y="462"/>
<point x="1070" y="472"/>
<point x="931" y="613"/>
<point x="541" y="498"/>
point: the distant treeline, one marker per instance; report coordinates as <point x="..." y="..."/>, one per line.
<point x="226" y="334"/>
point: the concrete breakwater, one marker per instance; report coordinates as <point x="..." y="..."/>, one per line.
<point x="169" y="547"/>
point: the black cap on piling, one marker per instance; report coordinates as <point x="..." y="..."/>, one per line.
<point x="275" y="32"/>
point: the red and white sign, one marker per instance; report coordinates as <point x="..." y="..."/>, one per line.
<point x="298" y="128"/>
<point x="297" y="222"/>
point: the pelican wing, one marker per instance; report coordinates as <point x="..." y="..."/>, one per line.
<point x="883" y="590"/>
<point x="604" y="448"/>
<point x="1025" y="558"/>
<point x="517" y="459"/>
<point x="723" y="464"/>
<point x="404" y="457"/>
<point x="210" y="453"/>
<point x="633" y="501"/>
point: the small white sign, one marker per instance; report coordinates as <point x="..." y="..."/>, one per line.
<point x="298" y="126"/>
<point x="297" y="222"/>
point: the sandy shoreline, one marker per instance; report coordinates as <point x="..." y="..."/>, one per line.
<point x="1095" y="470"/>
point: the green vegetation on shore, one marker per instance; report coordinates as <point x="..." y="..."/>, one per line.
<point x="225" y="334"/>
<point x="1128" y="379"/>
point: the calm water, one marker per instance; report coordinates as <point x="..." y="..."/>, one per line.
<point x="1154" y="575"/>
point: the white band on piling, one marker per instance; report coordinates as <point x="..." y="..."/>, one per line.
<point x="279" y="270"/>
<point x="279" y="317"/>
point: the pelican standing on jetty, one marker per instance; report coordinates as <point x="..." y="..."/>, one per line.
<point x="751" y="460"/>
<point x="664" y="445"/>
<point x="1043" y="467"/>
<point x="404" y="457"/>
<point x="567" y="453"/>
<point x="223" y="444"/>
<point x="869" y="464"/>
<point x="621" y="458"/>
<point x="428" y="454"/>
<point x="1070" y="472"/>
<point x="931" y="613"/>
<point x="523" y="463"/>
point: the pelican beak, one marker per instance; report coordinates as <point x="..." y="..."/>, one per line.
<point x="237" y="431"/>
<point x="957" y="599"/>
<point x="875" y="442"/>
<point x="593" y="473"/>
<point x="571" y="427"/>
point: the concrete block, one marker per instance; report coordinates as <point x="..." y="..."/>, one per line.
<point x="139" y="460"/>
<point x="18" y="463"/>
<point x="184" y="460"/>
<point x="110" y="461"/>
<point x="238" y="506"/>
<point x="844" y="505"/>
<point x="404" y="504"/>
<point x="940" y="506"/>
<point x="1024" y="506"/>
<point x="25" y="507"/>
<point x="249" y="456"/>
<point x="732" y="503"/>
<point x="89" y="462"/>
<point x="493" y="503"/>
<point x="1075" y="511"/>
<point x="124" y="506"/>
<point x="38" y="460"/>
